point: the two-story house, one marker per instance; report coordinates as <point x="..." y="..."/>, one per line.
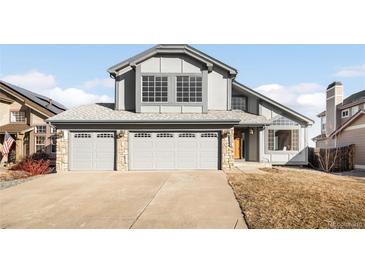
<point x="343" y="122"/>
<point x="22" y="115"/>
<point x="178" y="108"/>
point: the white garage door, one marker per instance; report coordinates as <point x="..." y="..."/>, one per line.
<point x="92" y="151"/>
<point x="173" y="150"/>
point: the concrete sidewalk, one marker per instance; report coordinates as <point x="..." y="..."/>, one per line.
<point x="196" y="199"/>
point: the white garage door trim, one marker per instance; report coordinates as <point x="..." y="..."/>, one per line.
<point x="92" y="150"/>
<point x="173" y="150"/>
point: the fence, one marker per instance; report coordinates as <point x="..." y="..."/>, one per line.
<point x="332" y="159"/>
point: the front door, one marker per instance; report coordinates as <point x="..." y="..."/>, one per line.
<point x="237" y="148"/>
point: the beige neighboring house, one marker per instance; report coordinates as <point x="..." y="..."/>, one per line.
<point x="23" y="114"/>
<point x="343" y="122"/>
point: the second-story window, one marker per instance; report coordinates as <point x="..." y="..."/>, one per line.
<point x="345" y="113"/>
<point x="154" y="89"/>
<point x="188" y="88"/>
<point x="17" y="117"/>
<point x="40" y="129"/>
<point x="239" y="103"/>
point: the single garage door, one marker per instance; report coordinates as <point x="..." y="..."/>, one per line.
<point x="92" y="151"/>
<point x="173" y="150"/>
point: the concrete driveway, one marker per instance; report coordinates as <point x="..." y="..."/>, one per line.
<point x="122" y="200"/>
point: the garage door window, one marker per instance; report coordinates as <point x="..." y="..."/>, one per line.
<point x="142" y="135"/>
<point x="105" y="135"/>
<point x="165" y="135"/>
<point x="209" y="135"/>
<point x="82" y="135"/>
<point x="186" y="135"/>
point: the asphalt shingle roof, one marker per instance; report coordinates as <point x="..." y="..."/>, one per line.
<point x="106" y="113"/>
<point x="41" y="100"/>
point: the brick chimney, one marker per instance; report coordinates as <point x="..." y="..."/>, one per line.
<point x="334" y="97"/>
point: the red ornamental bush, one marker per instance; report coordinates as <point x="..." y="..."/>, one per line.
<point x="34" y="167"/>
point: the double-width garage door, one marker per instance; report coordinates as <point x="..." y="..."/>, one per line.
<point x="173" y="150"/>
<point x="92" y="150"/>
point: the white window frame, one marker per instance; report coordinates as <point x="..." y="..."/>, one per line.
<point x="345" y="113"/>
<point x="39" y="144"/>
<point x="354" y="110"/>
<point x="36" y="129"/>
<point x="16" y="114"/>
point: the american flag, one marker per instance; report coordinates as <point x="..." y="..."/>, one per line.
<point x="8" y="141"/>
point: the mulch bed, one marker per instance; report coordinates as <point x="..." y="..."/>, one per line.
<point x="299" y="198"/>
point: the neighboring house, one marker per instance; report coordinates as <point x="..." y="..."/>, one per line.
<point x="343" y="122"/>
<point x="23" y="114"/>
<point x="178" y="108"/>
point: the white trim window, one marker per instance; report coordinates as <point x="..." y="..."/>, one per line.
<point x="41" y="129"/>
<point x="283" y="139"/>
<point x="354" y="110"/>
<point x="189" y="89"/>
<point x="154" y="89"/>
<point x="40" y="143"/>
<point x="345" y="113"/>
<point x="17" y="117"/>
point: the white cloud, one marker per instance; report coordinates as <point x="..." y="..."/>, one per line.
<point x="351" y="71"/>
<point x="32" y="80"/>
<point x="97" y="82"/>
<point x="45" y="84"/>
<point x="72" y="97"/>
<point x="305" y="98"/>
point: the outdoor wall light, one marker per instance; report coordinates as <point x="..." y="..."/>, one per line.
<point x="250" y="131"/>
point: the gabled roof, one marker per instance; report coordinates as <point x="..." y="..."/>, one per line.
<point x="171" y="49"/>
<point x="348" y="122"/>
<point x="105" y="113"/>
<point x="354" y="97"/>
<point x="40" y="100"/>
<point x="274" y="103"/>
<point x="15" y="128"/>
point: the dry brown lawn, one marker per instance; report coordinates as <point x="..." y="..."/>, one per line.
<point x="299" y="198"/>
<point x="9" y="175"/>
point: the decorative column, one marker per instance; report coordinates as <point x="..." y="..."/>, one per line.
<point x="122" y="150"/>
<point x="19" y="147"/>
<point x="227" y="149"/>
<point x="62" y="150"/>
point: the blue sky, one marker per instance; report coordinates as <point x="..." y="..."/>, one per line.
<point x="295" y="75"/>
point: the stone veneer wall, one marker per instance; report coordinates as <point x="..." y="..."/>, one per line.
<point x="227" y="149"/>
<point x="122" y="150"/>
<point x="62" y="150"/>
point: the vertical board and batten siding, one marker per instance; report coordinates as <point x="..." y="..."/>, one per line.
<point x="217" y="90"/>
<point x="355" y="134"/>
<point x="282" y="157"/>
<point x="216" y="85"/>
<point x="171" y="66"/>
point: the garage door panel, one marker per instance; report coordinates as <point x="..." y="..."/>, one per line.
<point x="173" y="150"/>
<point x="92" y="150"/>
